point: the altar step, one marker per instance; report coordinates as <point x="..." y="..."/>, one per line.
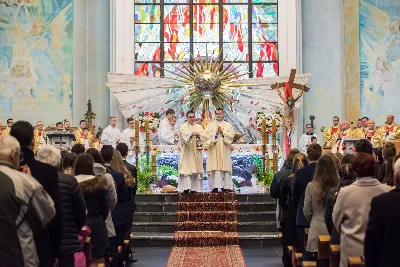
<point x="156" y="218"/>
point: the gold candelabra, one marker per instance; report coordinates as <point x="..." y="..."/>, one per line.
<point x="137" y="148"/>
<point x="274" y="147"/>
<point x="147" y="129"/>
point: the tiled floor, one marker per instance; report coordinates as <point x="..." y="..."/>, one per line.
<point x="255" y="257"/>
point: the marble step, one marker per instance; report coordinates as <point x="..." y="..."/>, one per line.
<point x="260" y="216"/>
<point x="170" y="227"/>
<point x="246" y="239"/>
<point x="173" y="197"/>
<point x="172" y="207"/>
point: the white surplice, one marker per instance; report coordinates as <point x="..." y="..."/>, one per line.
<point x="190" y="165"/>
<point x="166" y="133"/>
<point x="110" y="135"/>
<point x="219" y="161"/>
<point x="305" y="141"/>
<point x="126" y="136"/>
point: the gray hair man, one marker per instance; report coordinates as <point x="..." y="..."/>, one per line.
<point x="25" y="207"/>
<point x="73" y="205"/>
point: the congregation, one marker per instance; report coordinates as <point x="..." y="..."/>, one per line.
<point x="351" y="198"/>
<point x="65" y="196"/>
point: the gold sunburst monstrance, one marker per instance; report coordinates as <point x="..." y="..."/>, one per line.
<point x="206" y="83"/>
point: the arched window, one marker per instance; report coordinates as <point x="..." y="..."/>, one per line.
<point x="245" y="31"/>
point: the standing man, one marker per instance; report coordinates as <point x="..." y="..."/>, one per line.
<point x="49" y="239"/>
<point x="80" y="134"/>
<point x="370" y="133"/>
<point x="219" y="138"/>
<point x="128" y="135"/>
<point x="67" y="126"/>
<point x="59" y="127"/>
<point x="330" y="133"/>
<point x="190" y="165"/>
<point x="166" y="132"/>
<point x="390" y="131"/>
<point x="111" y="134"/>
<point x="364" y="122"/>
<point x="25" y="206"/>
<point x="10" y="123"/>
<point x="39" y="136"/>
<point x="305" y="139"/>
<point x="345" y="132"/>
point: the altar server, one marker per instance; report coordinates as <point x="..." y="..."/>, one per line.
<point x="190" y="165"/>
<point x="128" y="135"/>
<point x="166" y="132"/>
<point x="111" y="134"/>
<point x="305" y="139"/>
<point x="220" y="135"/>
<point x="39" y="136"/>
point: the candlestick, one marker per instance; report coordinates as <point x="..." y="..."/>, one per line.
<point x="275" y="154"/>
<point x="147" y="128"/>
<point x="264" y="150"/>
<point x="137" y="128"/>
<point x="153" y="163"/>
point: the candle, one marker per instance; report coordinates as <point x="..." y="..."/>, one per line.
<point x="153" y="163"/>
<point x="264" y="125"/>
<point x="137" y="128"/>
<point x="273" y="127"/>
<point x="147" y="128"/>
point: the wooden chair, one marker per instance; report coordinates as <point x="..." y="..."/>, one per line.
<point x="309" y="264"/>
<point x="356" y="262"/>
<point x="298" y="257"/>
<point x="323" y="247"/>
<point x="334" y="259"/>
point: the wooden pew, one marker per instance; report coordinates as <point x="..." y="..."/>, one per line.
<point x="356" y="262"/>
<point x="87" y="249"/>
<point x="309" y="264"/>
<point x="334" y="259"/>
<point x="297" y="257"/>
<point x="323" y="247"/>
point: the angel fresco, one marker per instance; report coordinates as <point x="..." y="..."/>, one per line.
<point x="32" y="49"/>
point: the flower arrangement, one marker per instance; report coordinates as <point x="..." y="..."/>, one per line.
<point x="154" y="121"/>
<point x="256" y="122"/>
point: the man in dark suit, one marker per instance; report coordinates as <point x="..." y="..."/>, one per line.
<point x="123" y="149"/>
<point x="383" y="234"/>
<point x="47" y="241"/>
<point x="301" y="179"/>
<point x="122" y="212"/>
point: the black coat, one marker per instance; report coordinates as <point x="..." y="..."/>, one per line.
<point x="48" y="240"/>
<point x="382" y="236"/>
<point x="289" y="213"/>
<point x="122" y="212"/>
<point x="95" y="193"/>
<point x="277" y="183"/>
<point x="335" y="236"/>
<point x="74" y="210"/>
<point x="301" y="179"/>
<point x="132" y="191"/>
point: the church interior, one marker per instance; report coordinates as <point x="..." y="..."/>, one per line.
<point x="210" y="133"/>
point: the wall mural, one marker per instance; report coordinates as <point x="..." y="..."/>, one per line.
<point x="379" y="58"/>
<point x="36" y="60"/>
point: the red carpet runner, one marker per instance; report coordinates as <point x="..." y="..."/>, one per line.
<point x="206" y="232"/>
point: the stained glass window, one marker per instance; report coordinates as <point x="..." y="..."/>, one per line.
<point x="168" y="31"/>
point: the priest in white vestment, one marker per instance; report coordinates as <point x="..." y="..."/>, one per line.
<point x="305" y="139"/>
<point x="190" y="165"/>
<point x="166" y="132"/>
<point x="128" y="135"/>
<point x="111" y="134"/>
<point x="220" y="135"/>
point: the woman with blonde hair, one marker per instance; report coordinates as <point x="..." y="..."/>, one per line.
<point x="118" y="165"/>
<point x="289" y="210"/>
<point x="325" y="178"/>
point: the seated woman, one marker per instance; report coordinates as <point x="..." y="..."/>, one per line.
<point x="325" y="178"/>
<point x="350" y="214"/>
<point x="94" y="189"/>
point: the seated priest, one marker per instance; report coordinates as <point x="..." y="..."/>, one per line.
<point x="330" y="134"/>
